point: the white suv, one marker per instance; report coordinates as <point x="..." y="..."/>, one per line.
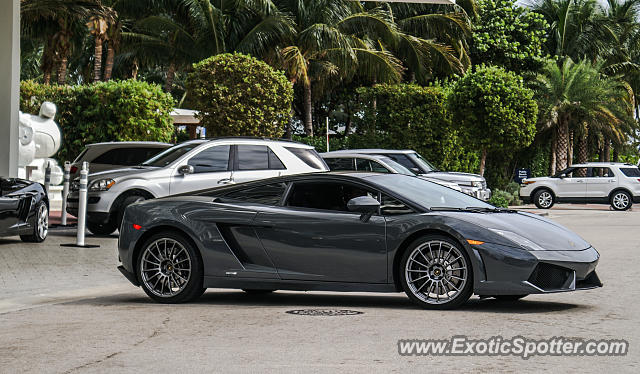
<point x="612" y="183"/>
<point x="187" y="167"/>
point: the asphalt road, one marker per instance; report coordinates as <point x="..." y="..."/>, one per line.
<point x="68" y="310"/>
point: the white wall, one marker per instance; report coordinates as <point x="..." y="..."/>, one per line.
<point x="9" y="85"/>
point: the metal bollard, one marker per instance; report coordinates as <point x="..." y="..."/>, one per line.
<point x="82" y="209"/>
<point x="47" y="177"/>
<point x="82" y="203"/>
<point x="65" y="192"/>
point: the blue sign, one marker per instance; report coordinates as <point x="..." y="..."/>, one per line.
<point x="522" y="174"/>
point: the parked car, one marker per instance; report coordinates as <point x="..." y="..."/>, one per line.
<point x="115" y="155"/>
<point x="612" y="183"/>
<point x="24" y="209"/>
<point x="471" y="184"/>
<point x="187" y="167"/>
<point x="341" y="161"/>
<point x="348" y="232"/>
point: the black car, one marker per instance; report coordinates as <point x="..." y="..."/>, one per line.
<point x="24" y="209"/>
<point x="348" y="232"/>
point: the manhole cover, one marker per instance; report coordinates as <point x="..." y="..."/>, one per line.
<point x="324" y="312"/>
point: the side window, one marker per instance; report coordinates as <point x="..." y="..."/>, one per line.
<point x="108" y="158"/>
<point x="393" y="207"/>
<point x="211" y="159"/>
<point x="600" y="173"/>
<point x="632" y="172"/>
<point x="253" y="157"/>
<point x="576" y="173"/>
<point x="340" y="163"/>
<point x="269" y="194"/>
<point x="377" y="167"/>
<point x="326" y="196"/>
<point x="274" y="161"/>
<point x="126" y="156"/>
<point x="402" y="159"/>
<point x="308" y="156"/>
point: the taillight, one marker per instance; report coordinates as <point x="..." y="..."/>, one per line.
<point x="638" y="179"/>
<point x="73" y="169"/>
<point x="136" y="226"/>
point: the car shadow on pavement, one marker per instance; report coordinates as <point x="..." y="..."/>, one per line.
<point x="320" y="300"/>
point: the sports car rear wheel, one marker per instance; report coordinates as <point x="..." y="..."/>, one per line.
<point x="170" y="269"/>
<point x="40" y="225"/>
<point x="436" y="273"/>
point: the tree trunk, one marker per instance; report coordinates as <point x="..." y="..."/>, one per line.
<point x="97" y="59"/>
<point x="583" y="150"/>
<point x="552" y="156"/>
<point x="570" y="150"/>
<point x="615" y="155"/>
<point x="47" y="75"/>
<point x="134" y="69"/>
<point x="171" y="74"/>
<point x="308" y="119"/>
<point x="607" y="150"/>
<point x="563" y="144"/>
<point x="108" y="67"/>
<point x="62" y="70"/>
<point x="483" y="161"/>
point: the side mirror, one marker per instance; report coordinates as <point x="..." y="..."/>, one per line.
<point x="186" y="169"/>
<point x="366" y="205"/>
<point x="416" y="170"/>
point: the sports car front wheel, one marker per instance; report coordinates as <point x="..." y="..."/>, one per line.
<point x="40" y="225"/>
<point x="436" y="273"/>
<point x="169" y="269"/>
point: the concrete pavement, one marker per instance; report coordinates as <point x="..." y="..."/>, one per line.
<point x="66" y="310"/>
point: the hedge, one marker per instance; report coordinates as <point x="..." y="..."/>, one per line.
<point x="105" y="111"/>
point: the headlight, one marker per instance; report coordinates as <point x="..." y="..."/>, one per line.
<point x="101" y="184"/>
<point x="477" y="184"/>
<point x="519" y="239"/>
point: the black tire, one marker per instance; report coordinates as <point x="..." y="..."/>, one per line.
<point x="123" y="205"/>
<point x="543" y="198"/>
<point x="621" y="200"/>
<point x="189" y="290"/>
<point x="101" y="229"/>
<point x="256" y="291"/>
<point x="509" y="297"/>
<point x="438" y="271"/>
<point x="40" y="225"/>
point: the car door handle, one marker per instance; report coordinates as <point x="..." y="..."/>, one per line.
<point x="579" y="181"/>
<point x="226" y="181"/>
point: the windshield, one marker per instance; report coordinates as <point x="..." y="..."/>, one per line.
<point x="428" y="194"/>
<point x="397" y="167"/>
<point x="169" y="155"/>
<point x="424" y="164"/>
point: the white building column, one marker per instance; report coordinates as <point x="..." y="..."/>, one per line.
<point x="9" y="86"/>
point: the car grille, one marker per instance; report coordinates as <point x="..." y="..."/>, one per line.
<point x="551" y="277"/>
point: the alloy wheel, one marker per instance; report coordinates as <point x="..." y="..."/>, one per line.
<point x="545" y="199"/>
<point x="42" y="221"/>
<point x="621" y="201"/>
<point x="165" y="267"/>
<point x="436" y="272"/>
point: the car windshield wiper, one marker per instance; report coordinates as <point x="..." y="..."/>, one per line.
<point x="472" y="209"/>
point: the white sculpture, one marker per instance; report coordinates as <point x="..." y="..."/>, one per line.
<point x="40" y="139"/>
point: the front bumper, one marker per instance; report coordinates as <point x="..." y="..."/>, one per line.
<point x="98" y="205"/>
<point x="509" y="272"/>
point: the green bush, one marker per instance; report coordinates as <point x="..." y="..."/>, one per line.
<point x="106" y="111"/>
<point x="500" y="199"/>
<point x="408" y="116"/>
<point x="239" y="95"/>
<point x="493" y="111"/>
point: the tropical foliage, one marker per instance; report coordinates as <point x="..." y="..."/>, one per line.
<point x="236" y="94"/>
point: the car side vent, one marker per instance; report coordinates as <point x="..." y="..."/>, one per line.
<point x="24" y="207"/>
<point x="551" y="277"/>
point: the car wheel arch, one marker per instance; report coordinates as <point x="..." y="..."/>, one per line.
<point x="131" y="192"/>
<point x="411" y="238"/>
<point x="618" y="189"/>
<point x="158" y="229"/>
<point x="533" y="193"/>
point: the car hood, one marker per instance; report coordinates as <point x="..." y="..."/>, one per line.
<point x="113" y="174"/>
<point x="547" y="234"/>
<point x="455" y="177"/>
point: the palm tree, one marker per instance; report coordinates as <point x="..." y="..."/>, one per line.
<point x="576" y="96"/>
<point x="333" y="38"/>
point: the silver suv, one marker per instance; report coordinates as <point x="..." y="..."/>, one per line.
<point x="471" y="184"/>
<point x="187" y="167"/>
<point x="612" y="183"/>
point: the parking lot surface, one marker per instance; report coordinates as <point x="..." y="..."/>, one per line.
<point x="68" y="310"/>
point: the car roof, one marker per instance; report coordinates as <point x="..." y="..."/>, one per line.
<point x="337" y="154"/>
<point x="250" y="140"/>
<point x="128" y="143"/>
<point x="376" y="151"/>
<point x="601" y="164"/>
